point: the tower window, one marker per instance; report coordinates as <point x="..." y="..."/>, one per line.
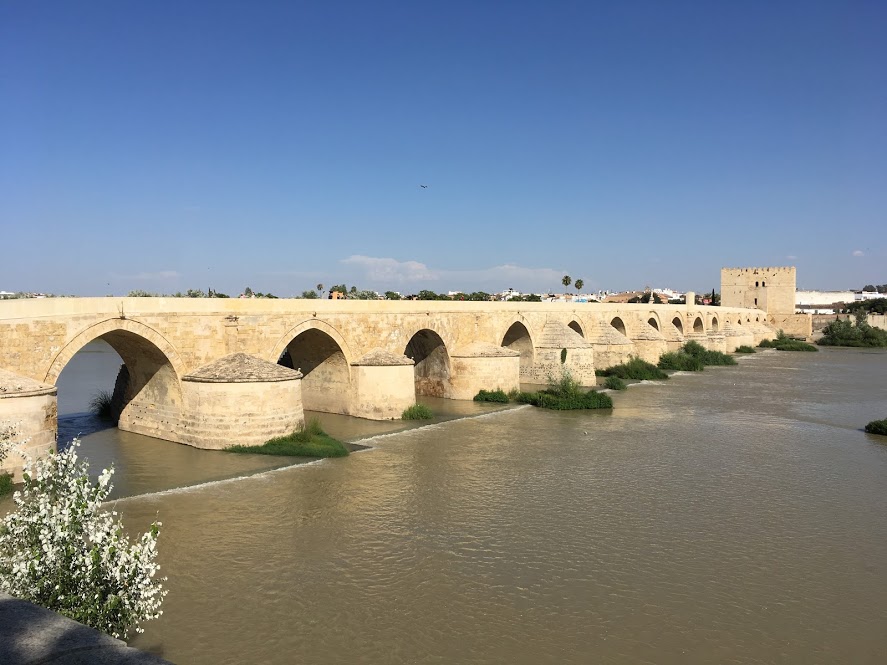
<point x="763" y="283"/>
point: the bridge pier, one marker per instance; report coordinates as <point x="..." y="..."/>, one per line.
<point x="238" y="399"/>
<point x="32" y="409"/>
<point x="383" y="385"/>
<point x="482" y="366"/>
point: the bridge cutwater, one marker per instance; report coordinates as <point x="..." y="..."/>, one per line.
<point x="211" y="372"/>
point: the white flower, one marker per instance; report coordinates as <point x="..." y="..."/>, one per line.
<point x="60" y="549"/>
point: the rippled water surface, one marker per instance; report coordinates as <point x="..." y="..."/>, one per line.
<point x="733" y="516"/>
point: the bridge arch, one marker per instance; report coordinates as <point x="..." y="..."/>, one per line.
<point x="432" y="369"/>
<point x="698" y="326"/>
<point x="678" y="323"/>
<point x="577" y="327"/>
<point x="153" y="391"/>
<point x="619" y="324"/>
<point x="653" y="321"/>
<point x="517" y="338"/>
<point x="320" y="353"/>
<point x="713" y="323"/>
<point x="116" y="332"/>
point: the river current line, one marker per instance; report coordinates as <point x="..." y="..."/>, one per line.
<point x="268" y="473"/>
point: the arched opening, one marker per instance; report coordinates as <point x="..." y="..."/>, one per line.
<point x="697" y="325"/>
<point x="677" y="323"/>
<point x="432" y="363"/>
<point x="326" y="380"/>
<point x="714" y="324"/>
<point x="107" y="377"/>
<point x="574" y="325"/>
<point x="653" y="322"/>
<point x="739" y="321"/>
<point x="618" y="324"/>
<point x="517" y="338"/>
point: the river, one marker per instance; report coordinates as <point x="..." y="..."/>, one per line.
<point x="738" y="515"/>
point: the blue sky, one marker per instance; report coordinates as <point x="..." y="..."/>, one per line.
<point x="165" y="146"/>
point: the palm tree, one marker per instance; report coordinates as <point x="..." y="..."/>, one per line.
<point x="566" y="281"/>
<point x="579" y="284"/>
<point x="320" y="289"/>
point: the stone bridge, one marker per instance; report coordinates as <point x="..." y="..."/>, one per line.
<point x="208" y="372"/>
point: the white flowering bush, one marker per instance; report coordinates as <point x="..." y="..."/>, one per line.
<point x="8" y="434"/>
<point x="60" y="549"/>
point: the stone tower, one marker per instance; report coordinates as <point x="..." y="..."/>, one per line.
<point x="768" y="289"/>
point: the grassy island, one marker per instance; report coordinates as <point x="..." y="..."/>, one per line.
<point x="309" y="441"/>
<point x="745" y="348"/>
<point x="877" y="427"/>
<point x="562" y="395"/>
<point x="693" y="357"/>
<point x="783" y="343"/>
<point x="417" y="412"/>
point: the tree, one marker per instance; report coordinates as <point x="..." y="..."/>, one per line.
<point x="248" y="292"/>
<point x="869" y="288"/>
<point x="309" y="294"/>
<point x="391" y="295"/>
<point x="320" y="289"/>
<point x="533" y="297"/>
<point x="579" y="284"/>
<point x="425" y="294"/>
<point x="60" y="549"/>
<point x="566" y="281"/>
<point x="341" y="288"/>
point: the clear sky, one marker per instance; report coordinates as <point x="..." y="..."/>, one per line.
<point x="172" y="145"/>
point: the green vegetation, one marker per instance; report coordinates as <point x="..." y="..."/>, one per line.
<point x="615" y="383"/>
<point x="783" y="343"/>
<point x="844" y="333"/>
<point x="100" y="405"/>
<point x="634" y="369"/>
<point x="417" y="412"/>
<point x="680" y="361"/>
<point x="877" y="427"/>
<point x="564" y="394"/>
<point x="873" y="306"/>
<point x="647" y="297"/>
<point x="706" y="357"/>
<point x="5" y="483"/>
<point x="308" y="441"/>
<point x="745" y="348"/>
<point x="491" y="396"/>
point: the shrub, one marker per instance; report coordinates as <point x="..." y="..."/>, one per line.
<point x="589" y="400"/>
<point x="417" y="412"/>
<point x="635" y="369"/>
<point x="877" y="427"/>
<point x="308" y="441"/>
<point x="615" y="383"/>
<point x="491" y="396"/>
<point x="745" y="348"/>
<point x="100" y="405"/>
<point x="783" y="343"/>
<point x="680" y="362"/>
<point x="61" y="550"/>
<point x="564" y="386"/>
<point x="844" y="333"/>
<point x="5" y="483"/>
<point x="705" y="356"/>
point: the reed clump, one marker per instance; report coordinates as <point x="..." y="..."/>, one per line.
<point x="417" y="412"/>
